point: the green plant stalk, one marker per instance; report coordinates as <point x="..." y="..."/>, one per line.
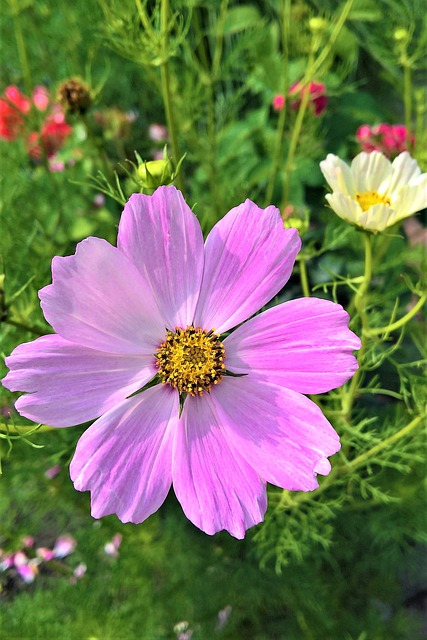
<point x="360" y="305"/>
<point x="304" y="277"/>
<point x="166" y="91"/>
<point x="407" y="94"/>
<point x="334" y="36"/>
<point x="20" y="43"/>
<point x="384" y="444"/>
<point x="399" y="323"/>
<point x="211" y="124"/>
<point x="278" y="143"/>
<point x="291" y="500"/>
<point x="295" y="138"/>
<point x="24" y="327"/>
<point x="219" y="40"/>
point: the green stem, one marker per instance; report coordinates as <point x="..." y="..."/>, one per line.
<point x="278" y="142"/>
<point x="166" y="92"/>
<point x="24" y="327"/>
<point x="360" y="304"/>
<point x="304" y="277"/>
<point x="291" y="500"/>
<point x="399" y="323"/>
<point x="407" y="96"/>
<point x="382" y="445"/>
<point x="20" y="43"/>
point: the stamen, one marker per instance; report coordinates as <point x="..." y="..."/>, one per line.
<point x="191" y="360"/>
<point x="369" y="198"/>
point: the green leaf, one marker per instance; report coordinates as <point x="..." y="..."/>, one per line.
<point x="241" y="18"/>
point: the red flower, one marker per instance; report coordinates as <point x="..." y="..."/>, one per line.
<point x="12" y="105"/>
<point x="278" y="102"/>
<point x="53" y="134"/>
<point x="389" y="139"/>
<point x="317" y="91"/>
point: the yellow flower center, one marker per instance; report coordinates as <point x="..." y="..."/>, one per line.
<point x="191" y="360"/>
<point x="369" y="198"/>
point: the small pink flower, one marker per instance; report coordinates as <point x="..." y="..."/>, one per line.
<point x="111" y="548"/>
<point x="20" y="559"/>
<point x="78" y="572"/>
<point x="28" y="571"/>
<point x="44" y="553"/>
<point x="317" y="100"/>
<point x="7" y="560"/>
<point x="278" y="102"/>
<point x="99" y="200"/>
<point x="223" y="617"/>
<point x="28" y="541"/>
<point x="64" y="545"/>
<point x="158" y="132"/>
<point x="40" y="98"/>
<point x="217" y="425"/>
<point x="52" y="471"/>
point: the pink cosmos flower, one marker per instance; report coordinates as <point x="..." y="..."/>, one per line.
<point x="230" y="415"/>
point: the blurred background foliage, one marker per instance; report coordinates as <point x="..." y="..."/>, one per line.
<point x="347" y="561"/>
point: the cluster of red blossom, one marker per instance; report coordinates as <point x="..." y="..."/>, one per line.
<point x="390" y="139"/>
<point x="15" y="109"/>
<point x="317" y="97"/>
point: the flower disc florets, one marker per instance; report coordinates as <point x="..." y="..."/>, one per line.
<point x="369" y="198"/>
<point x="191" y="360"/>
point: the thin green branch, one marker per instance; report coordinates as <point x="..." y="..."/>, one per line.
<point x="399" y="323"/>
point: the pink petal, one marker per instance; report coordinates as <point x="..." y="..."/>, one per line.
<point x="99" y="299"/>
<point x="64" y="545"/>
<point x="248" y="258"/>
<point x="27" y="572"/>
<point x="304" y="345"/>
<point x="68" y="384"/>
<point x="125" y="457"/>
<point x="281" y="434"/>
<point x="162" y="237"/>
<point x="217" y="489"/>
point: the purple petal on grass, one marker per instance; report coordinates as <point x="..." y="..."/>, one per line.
<point x="100" y="300"/>
<point x="217" y="489"/>
<point x="67" y="384"/>
<point x="162" y="237"/>
<point x="281" y="434"/>
<point x="248" y="258"/>
<point x="125" y="457"/>
<point x="304" y="345"/>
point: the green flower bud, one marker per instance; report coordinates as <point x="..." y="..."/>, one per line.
<point x="317" y="25"/>
<point x="400" y="34"/>
<point x="155" y="173"/>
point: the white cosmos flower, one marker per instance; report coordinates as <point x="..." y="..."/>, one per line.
<point x="374" y="193"/>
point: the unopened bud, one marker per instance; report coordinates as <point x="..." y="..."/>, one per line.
<point x="155" y="173"/>
<point x="400" y="34"/>
<point x="317" y="25"/>
<point x="74" y="95"/>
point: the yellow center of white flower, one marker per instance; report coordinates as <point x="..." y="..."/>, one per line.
<point x="369" y="198"/>
<point x="191" y="360"/>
